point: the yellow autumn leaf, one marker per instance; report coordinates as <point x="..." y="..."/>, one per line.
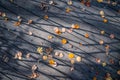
<point x="51" y="62"/>
<point x="105" y="20"/>
<point x="63" y="41"/>
<point x="50" y="37"/>
<point x="71" y="55"/>
<point x="39" y="49"/>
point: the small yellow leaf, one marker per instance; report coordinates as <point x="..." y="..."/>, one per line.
<point x="71" y="55"/>
<point x="105" y="20"/>
<point x="51" y="62"/>
<point x="50" y="37"/>
<point x="63" y="41"/>
<point x="39" y="49"/>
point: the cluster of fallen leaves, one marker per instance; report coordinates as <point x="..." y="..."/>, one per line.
<point x="58" y="31"/>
